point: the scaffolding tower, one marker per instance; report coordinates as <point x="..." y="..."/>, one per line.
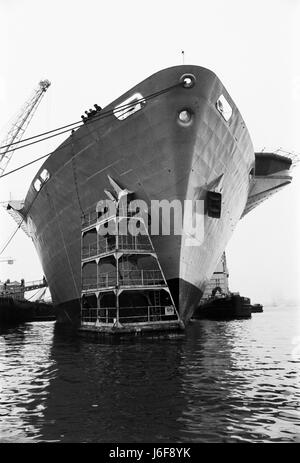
<point x="123" y="286"/>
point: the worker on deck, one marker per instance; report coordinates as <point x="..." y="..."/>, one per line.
<point x="92" y="112"/>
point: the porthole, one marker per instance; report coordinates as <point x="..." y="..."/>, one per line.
<point x="185" y="116"/>
<point x="188" y="80"/>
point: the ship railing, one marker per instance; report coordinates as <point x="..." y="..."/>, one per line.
<point x="105" y="280"/>
<point x="93" y="217"/>
<point x="89" y="218"/>
<point x="140" y="277"/>
<point x="89" y="251"/>
<point x="132" y="243"/>
<point x="139" y="314"/>
<point x="125" y="278"/>
<point x="95" y="249"/>
<point x="88" y="283"/>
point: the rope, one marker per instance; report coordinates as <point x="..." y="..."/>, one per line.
<point x="12" y="236"/>
<point x="105" y="114"/>
<point x="102" y="115"/>
<point x="25" y="165"/>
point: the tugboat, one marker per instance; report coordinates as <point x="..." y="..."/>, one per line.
<point x="14" y="308"/>
<point x="219" y="303"/>
<point x="224" y="307"/>
<point x="256" y="308"/>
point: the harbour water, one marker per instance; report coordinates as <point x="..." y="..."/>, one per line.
<point x="223" y="381"/>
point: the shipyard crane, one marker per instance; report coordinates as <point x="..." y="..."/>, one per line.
<point x="20" y="124"/>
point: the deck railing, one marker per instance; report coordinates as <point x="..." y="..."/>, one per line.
<point x="89" y="218"/>
<point x="125" y="243"/>
<point x="140" y="314"/>
<point x="125" y="278"/>
<point x="92" y="217"/>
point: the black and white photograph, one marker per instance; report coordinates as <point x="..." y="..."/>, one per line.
<point x="149" y="225"/>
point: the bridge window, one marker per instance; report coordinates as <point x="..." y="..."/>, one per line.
<point x="41" y="179"/>
<point x="37" y="184"/>
<point x="224" y="108"/>
<point x="45" y="175"/>
<point x="129" y="106"/>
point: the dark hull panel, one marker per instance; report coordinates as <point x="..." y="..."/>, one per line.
<point x="156" y="157"/>
<point x="13" y="311"/>
<point x="232" y="306"/>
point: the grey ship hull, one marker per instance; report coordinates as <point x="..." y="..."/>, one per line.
<point x="153" y="155"/>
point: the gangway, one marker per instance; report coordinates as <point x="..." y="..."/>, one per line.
<point x="16" y="290"/>
<point x="36" y="284"/>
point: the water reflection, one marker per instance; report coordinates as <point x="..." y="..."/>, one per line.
<point x="248" y="390"/>
<point x="26" y="371"/>
<point x="222" y="382"/>
<point x="115" y="392"/>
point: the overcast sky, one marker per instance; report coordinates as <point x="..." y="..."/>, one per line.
<point x="93" y="51"/>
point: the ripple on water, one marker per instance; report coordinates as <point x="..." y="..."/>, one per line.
<point x="223" y="382"/>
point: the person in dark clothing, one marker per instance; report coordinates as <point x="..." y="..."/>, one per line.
<point x="92" y="112"/>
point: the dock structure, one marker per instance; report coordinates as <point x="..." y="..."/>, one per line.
<point x="123" y="286"/>
<point x="17" y="290"/>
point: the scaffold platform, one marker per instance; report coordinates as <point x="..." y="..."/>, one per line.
<point x="124" y="290"/>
